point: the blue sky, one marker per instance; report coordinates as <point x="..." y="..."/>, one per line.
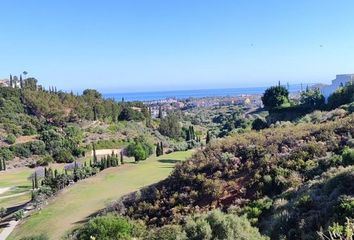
<point x="148" y="45"/>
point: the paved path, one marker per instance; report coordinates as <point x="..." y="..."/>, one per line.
<point x="12" y="224"/>
<point x="7" y="230"/>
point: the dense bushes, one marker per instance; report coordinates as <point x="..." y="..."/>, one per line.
<point x="341" y="96"/>
<point x="170" y="126"/>
<point x="110" y="227"/>
<point x="275" y="97"/>
<point x="214" y="225"/>
<point x="140" y="149"/>
<point x="240" y="171"/>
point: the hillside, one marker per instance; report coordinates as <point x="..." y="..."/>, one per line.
<point x="261" y="174"/>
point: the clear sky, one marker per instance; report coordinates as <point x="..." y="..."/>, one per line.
<point x="148" y="45"/>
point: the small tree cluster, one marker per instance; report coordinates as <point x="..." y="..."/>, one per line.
<point x="109" y="161"/>
<point x="159" y="149"/>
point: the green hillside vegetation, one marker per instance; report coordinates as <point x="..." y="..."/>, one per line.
<point x="292" y="181"/>
<point x="91" y="195"/>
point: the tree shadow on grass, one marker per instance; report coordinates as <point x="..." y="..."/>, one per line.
<point x="168" y="161"/>
<point x="92" y="215"/>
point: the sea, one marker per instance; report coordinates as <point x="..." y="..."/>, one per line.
<point x="184" y="94"/>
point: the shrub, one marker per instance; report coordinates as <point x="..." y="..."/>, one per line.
<point x="6" y="153"/>
<point x="167" y="232"/>
<point x="36" y="237"/>
<point x="259" y="124"/>
<point x="45" y="160"/>
<point x="11" y="139"/>
<point x="275" y="97"/>
<point x="108" y="227"/>
<point x="348" y="156"/>
<point x="19" y="214"/>
<point x="64" y="156"/>
<point x="218" y="225"/>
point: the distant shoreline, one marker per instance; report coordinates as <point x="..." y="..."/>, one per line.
<point x="201" y="93"/>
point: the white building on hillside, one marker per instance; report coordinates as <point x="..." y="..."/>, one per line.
<point x="340" y="80"/>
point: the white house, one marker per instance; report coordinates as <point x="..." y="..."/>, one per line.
<point x="340" y="80"/>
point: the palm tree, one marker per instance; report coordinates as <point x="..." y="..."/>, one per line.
<point x="25" y="73"/>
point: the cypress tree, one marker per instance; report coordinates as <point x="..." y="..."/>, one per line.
<point x="11" y="81"/>
<point x="35" y="180"/>
<point x="45" y="172"/>
<point x="121" y="157"/>
<point x="4" y="165"/>
<point x="207" y="137"/>
<point x="94" y="153"/>
<point x="32" y="184"/>
<point x="109" y="162"/>
<point x="94" y="113"/>
<point x="1" y="168"/>
<point x="105" y="163"/>
<point x="55" y="173"/>
<point x="50" y="173"/>
<point x="161" y="149"/>
<point x="160" y="112"/>
<point x="21" y="81"/>
<point x="158" y="150"/>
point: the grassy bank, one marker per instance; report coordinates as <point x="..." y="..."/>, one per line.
<point x="78" y="202"/>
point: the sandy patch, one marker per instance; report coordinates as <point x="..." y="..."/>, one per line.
<point x="3" y="190"/>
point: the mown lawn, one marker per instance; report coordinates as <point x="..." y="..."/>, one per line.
<point x="78" y="202"/>
<point x="18" y="182"/>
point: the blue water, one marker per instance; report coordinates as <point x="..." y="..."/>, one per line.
<point x="183" y="94"/>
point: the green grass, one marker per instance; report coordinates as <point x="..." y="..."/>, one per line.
<point x="15" y="200"/>
<point x="16" y="177"/>
<point x="76" y="203"/>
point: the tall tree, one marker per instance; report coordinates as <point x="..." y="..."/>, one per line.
<point x="21" y="81"/>
<point x="25" y="74"/>
<point x="121" y="157"/>
<point x="160" y="112"/>
<point x="161" y="148"/>
<point x="275" y="97"/>
<point x="158" y="150"/>
<point x="207" y="137"/>
<point x="11" y="81"/>
<point x="35" y="180"/>
<point x="94" y="153"/>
